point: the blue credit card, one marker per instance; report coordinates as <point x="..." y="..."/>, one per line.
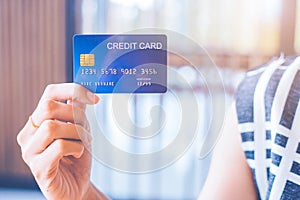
<point x="125" y="63"/>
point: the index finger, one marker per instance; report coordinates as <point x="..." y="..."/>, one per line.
<point x="69" y="91"/>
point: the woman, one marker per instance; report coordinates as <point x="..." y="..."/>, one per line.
<point x="256" y="157"/>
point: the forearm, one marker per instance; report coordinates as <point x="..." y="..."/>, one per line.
<point x="94" y="193"/>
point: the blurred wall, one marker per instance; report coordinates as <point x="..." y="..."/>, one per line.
<point x="32" y="55"/>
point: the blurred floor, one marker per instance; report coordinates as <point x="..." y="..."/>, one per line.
<point x="17" y="194"/>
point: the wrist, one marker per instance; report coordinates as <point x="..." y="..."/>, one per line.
<point x="93" y="193"/>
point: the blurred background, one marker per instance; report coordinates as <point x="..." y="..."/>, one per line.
<point x="36" y="49"/>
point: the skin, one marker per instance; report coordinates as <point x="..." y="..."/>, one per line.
<point x="57" y="156"/>
<point x="229" y="177"/>
<point x="55" y="151"/>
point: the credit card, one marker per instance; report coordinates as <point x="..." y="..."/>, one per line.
<point x="122" y="63"/>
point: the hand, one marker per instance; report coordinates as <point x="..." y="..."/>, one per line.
<point x="53" y="142"/>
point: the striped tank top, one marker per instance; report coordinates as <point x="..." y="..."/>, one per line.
<point x="269" y="123"/>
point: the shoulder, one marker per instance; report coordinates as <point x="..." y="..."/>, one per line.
<point x="263" y="81"/>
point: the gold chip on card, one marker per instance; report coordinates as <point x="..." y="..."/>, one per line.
<point x="87" y="60"/>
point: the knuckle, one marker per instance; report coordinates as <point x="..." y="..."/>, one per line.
<point x="21" y="136"/>
<point x="20" y="139"/>
<point x="50" y="106"/>
<point x="49" y="127"/>
<point x="49" y="88"/>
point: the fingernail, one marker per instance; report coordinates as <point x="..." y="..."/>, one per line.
<point x="92" y="97"/>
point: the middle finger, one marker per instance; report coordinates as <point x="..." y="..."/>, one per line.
<point x="50" y="109"/>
